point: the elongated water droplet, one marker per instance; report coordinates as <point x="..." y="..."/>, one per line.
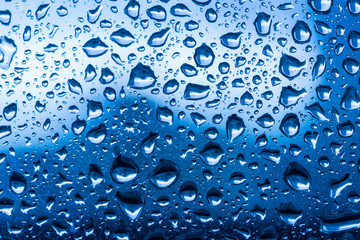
<point x="95" y="47"/>
<point x="158" y="39"/>
<point x="122" y="37"/>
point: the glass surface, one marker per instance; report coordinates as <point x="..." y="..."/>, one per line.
<point x="179" y="119"/>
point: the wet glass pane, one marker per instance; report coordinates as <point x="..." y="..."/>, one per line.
<point x="179" y="119"/>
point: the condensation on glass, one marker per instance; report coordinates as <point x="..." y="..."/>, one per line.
<point x="169" y="119"/>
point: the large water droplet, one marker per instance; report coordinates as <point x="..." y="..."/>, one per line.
<point x="235" y="127"/>
<point x="196" y="92"/>
<point x="141" y="77"/>
<point x="95" y="47"/>
<point x="7" y="52"/>
<point x="97" y="134"/>
<point x="188" y="191"/>
<point x="290" y="96"/>
<point x="212" y="153"/>
<point x="10" y="111"/>
<point x="131" y="203"/>
<point x="5" y="131"/>
<point x="321" y="6"/>
<point x="123" y="170"/>
<point x="204" y="56"/>
<point x="165" y="174"/>
<point x="290" y="66"/>
<point x="41" y="11"/>
<point x="122" y="37"/>
<point x="17" y="182"/>
<point x="297" y="177"/>
<point x="350" y="100"/>
<point x="263" y="23"/>
<point x="301" y="32"/>
<point x="132" y="9"/>
<point x="231" y="40"/>
<point x="157" y="13"/>
<point x="290" y="125"/>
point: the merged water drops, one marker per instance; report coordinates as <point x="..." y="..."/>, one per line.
<point x="290" y="66"/>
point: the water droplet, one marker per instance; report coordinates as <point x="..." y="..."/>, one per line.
<point x="7" y="52"/>
<point x="95" y="47"/>
<point x="122" y="37"/>
<point x="290" y="125"/>
<point x="75" y="86"/>
<point x="338" y="185"/>
<point x="90" y="73"/>
<point x="164" y="115"/>
<point x="301" y="32"/>
<point x="5" y="131"/>
<point x="78" y="126"/>
<point x="212" y="153"/>
<point x="171" y="86"/>
<point x="214" y="197"/>
<point x="97" y="134"/>
<point x="231" y="40"/>
<point x="158" y="39"/>
<point x="321" y="6"/>
<point x="235" y="127"/>
<point x="204" y="56"/>
<point x="290" y="96"/>
<point x="351" y="66"/>
<point x="141" y="77"/>
<point x="94" y="14"/>
<point x="319" y="67"/>
<point x="196" y="92"/>
<point x="345" y="129"/>
<point x="131" y="203"/>
<point x="265" y="121"/>
<point x="5" y="17"/>
<point x="290" y="66"/>
<point x="41" y="11"/>
<point x="165" y="174"/>
<point x="10" y="111"/>
<point x="211" y="15"/>
<point x="350" y="100"/>
<point x="180" y="10"/>
<point x="17" y="182"/>
<point x="157" y="13"/>
<point x="263" y="23"/>
<point x="132" y="9"/>
<point x="148" y="144"/>
<point x="289" y="214"/>
<point x="123" y="170"/>
<point x="188" y="191"/>
<point x="297" y="177"/>
<point x="353" y="7"/>
<point x="107" y="76"/>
